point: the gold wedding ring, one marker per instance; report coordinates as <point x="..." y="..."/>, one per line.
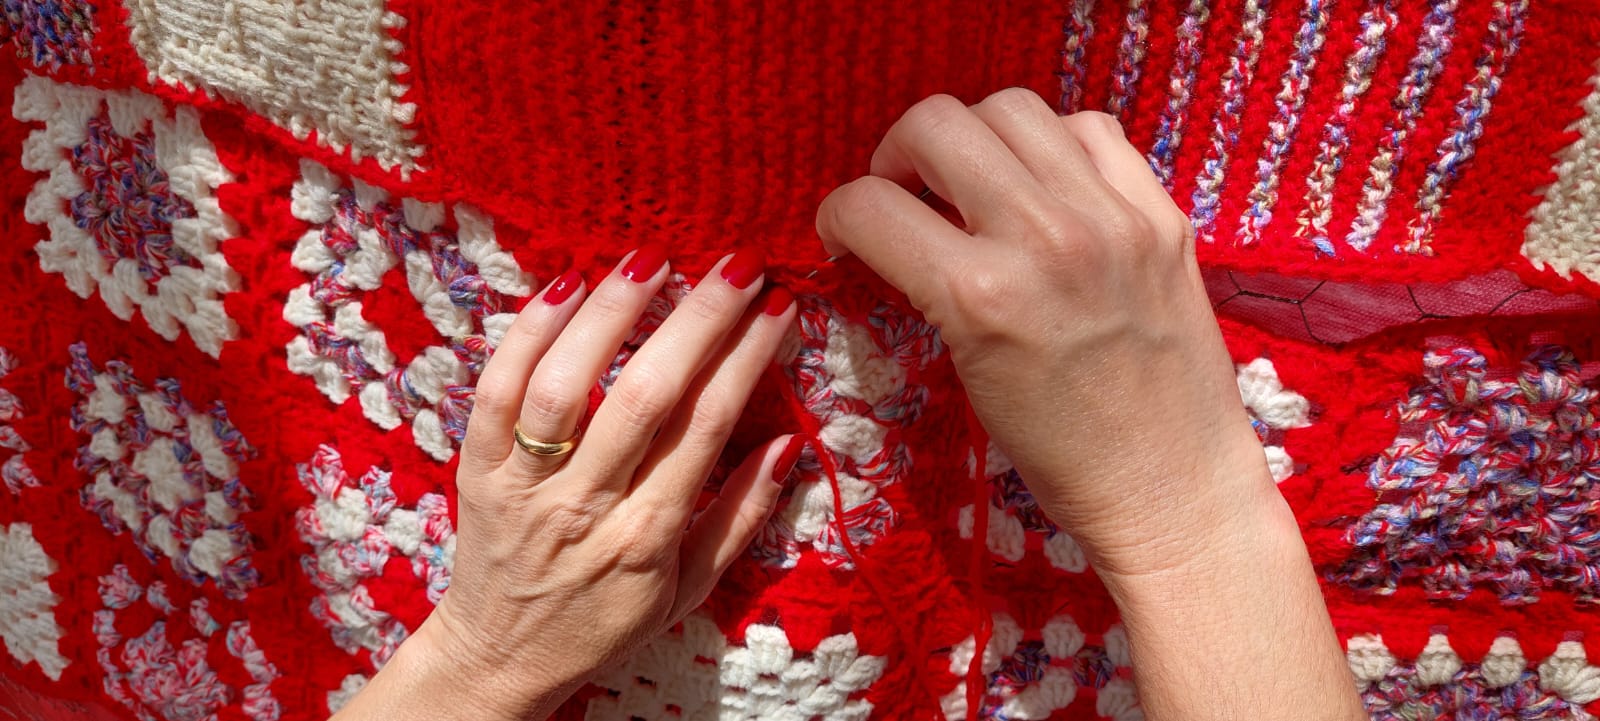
<point x="543" y="448"/>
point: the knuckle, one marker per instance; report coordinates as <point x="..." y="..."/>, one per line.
<point x="1093" y="124"/>
<point x="612" y="299"/>
<point x="549" y="396"/>
<point x="570" y="518"/>
<point x="642" y="544"/>
<point x="1131" y="231"/>
<point x="710" y="303"/>
<point x="712" y="419"/>
<point x="639" y="400"/>
<point x="978" y="294"/>
<point x="931" y="115"/>
<point x="1016" y="102"/>
<point x="854" y="203"/>
<point x="1058" y="229"/>
<point x="1179" y="227"/>
<point x="494" y="398"/>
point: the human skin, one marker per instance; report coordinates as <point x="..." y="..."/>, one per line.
<point x="1063" y="280"/>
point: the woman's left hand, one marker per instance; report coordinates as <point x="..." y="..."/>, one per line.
<point x="566" y="563"/>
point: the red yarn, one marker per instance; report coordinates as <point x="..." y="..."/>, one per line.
<point x="581" y="130"/>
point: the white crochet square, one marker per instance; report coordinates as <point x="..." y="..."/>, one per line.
<point x="170" y="268"/>
<point x="311" y="66"/>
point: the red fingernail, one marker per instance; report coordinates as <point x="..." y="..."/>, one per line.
<point x="645" y="263"/>
<point x="562" y="288"/>
<point x="787" y="459"/>
<point x="778" y="300"/>
<point x="744" y="268"/>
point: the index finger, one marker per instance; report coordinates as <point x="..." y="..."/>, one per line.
<point x="898" y="236"/>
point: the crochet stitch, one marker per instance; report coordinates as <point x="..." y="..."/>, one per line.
<point x="326" y="214"/>
<point x="51" y="33"/>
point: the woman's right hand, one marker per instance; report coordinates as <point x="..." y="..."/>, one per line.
<point x="1077" y="320"/>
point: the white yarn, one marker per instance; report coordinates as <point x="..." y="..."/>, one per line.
<point x="169" y="485"/>
<point x="184" y="298"/>
<point x="323" y="371"/>
<point x="495" y="327"/>
<point x="1369" y="659"/>
<point x="125" y="505"/>
<point x="1064" y="553"/>
<point x="1007" y="538"/>
<point x="1055" y="690"/>
<point x="1062" y="637"/>
<point x="210" y="45"/>
<point x="158" y="462"/>
<point x="428" y="432"/>
<point x="376" y="407"/>
<point x="156" y="413"/>
<point x="810" y="507"/>
<point x="348" y="688"/>
<point x="27" y="606"/>
<point x="858" y="365"/>
<point x="424" y="217"/>
<point x="1263" y="393"/>
<point x="1119" y="701"/>
<point x="1279" y="408"/>
<point x="217" y="508"/>
<point x="1438" y="663"/>
<point x="858" y="437"/>
<point x="1567" y="673"/>
<point x="203" y="440"/>
<point x="499" y="268"/>
<point x="447" y="317"/>
<point x="403" y="528"/>
<point x="159" y="533"/>
<point x="104" y="402"/>
<point x="212" y="551"/>
<point x="344" y="517"/>
<point x="1563" y="232"/>
<point x="104" y="443"/>
<point x="764" y="679"/>
<point x="1504" y="664"/>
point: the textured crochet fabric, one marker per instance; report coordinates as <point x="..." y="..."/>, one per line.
<point x="257" y="251"/>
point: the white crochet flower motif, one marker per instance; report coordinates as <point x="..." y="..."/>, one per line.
<point x="765" y="679"/>
<point x="1273" y="409"/>
<point x="130" y="205"/>
<point x="461" y="280"/>
<point x="27" y="606"/>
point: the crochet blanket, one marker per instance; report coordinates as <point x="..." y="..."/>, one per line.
<point x="256" y="251"/>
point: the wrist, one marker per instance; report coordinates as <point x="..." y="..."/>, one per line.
<point x="1243" y="541"/>
<point x="434" y="675"/>
<point x="1218" y="511"/>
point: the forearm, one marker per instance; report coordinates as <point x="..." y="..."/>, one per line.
<point x="1236" y="627"/>
<point x="426" y="681"/>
